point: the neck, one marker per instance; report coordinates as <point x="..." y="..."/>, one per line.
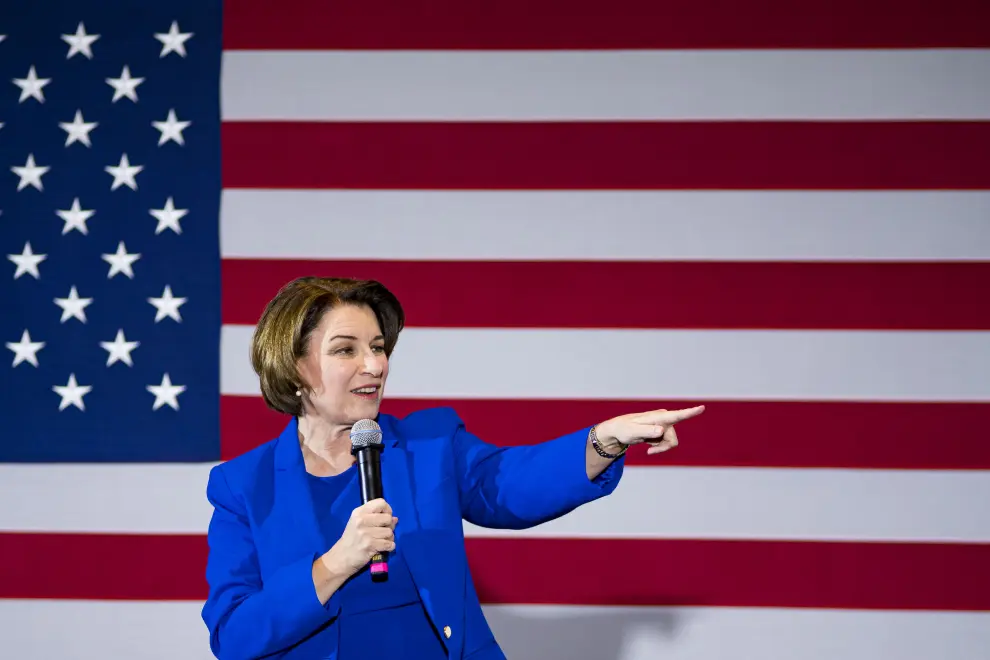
<point x="326" y="447"/>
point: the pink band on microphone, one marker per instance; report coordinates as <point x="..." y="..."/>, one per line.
<point x="379" y="567"/>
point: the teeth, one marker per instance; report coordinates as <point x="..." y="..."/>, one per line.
<point x="366" y="390"/>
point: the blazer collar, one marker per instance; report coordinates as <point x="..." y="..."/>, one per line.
<point x="389" y="436"/>
<point x="288" y="454"/>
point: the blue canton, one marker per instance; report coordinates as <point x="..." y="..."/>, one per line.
<point x="109" y="232"/>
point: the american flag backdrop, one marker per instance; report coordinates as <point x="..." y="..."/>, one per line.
<point x="777" y="209"/>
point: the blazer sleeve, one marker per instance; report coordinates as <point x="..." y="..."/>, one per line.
<point x="522" y="486"/>
<point x="248" y="618"/>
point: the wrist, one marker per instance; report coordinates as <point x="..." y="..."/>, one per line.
<point x="604" y="442"/>
<point x="327" y="576"/>
<point x="332" y="568"/>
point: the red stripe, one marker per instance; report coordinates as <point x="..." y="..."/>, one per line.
<point x="102" y="566"/>
<point x="591" y="24"/>
<point x="620" y="155"/>
<point x="730" y="433"/>
<point x="731" y="573"/>
<point x="537" y="294"/>
<point x="677" y="572"/>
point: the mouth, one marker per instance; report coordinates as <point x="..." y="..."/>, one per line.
<point x="369" y="393"/>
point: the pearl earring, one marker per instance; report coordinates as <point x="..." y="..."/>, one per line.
<point x="298" y="393"/>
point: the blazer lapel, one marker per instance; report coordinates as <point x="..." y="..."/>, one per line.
<point x="293" y="500"/>
<point x="396" y="484"/>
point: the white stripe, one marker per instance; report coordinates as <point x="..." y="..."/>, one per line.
<point x="602" y="85"/>
<point x="606" y="225"/>
<point x="163" y="631"/>
<point x="88" y="630"/>
<point x="667" y="364"/>
<point x="702" y="633"/>
<point x="752" y="503"/>
<point x="105" y="498"/>
<point x="651" y="502"/>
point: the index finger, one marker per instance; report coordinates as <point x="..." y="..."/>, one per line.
<point x="378" y="505"/>
<point x="668" y="417"/>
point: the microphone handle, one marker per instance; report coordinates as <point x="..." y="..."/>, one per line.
<point x="370" y="472"/>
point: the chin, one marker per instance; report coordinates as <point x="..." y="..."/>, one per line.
<point x="366" y="410"/>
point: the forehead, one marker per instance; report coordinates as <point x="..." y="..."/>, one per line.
<point x="356" y="320"/>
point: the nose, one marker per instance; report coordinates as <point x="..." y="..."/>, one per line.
<point x="373" y="365"/>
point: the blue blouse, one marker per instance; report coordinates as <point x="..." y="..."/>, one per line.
<point x="372" y="611"/>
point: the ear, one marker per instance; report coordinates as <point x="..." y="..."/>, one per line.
<point x="306" y="375"/>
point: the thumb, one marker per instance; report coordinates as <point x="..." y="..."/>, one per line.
<point x="651" y="430"/>
<point x="641" y="431"/>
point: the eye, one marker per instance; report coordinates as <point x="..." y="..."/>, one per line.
<point x="342" y="351"/>
<point x="378" y="349"/>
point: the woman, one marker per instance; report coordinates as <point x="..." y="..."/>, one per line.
<point x="290" y="541"/>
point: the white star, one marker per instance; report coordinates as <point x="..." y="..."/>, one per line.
<point x="124" y="173"/>
<point x="173" y="40"/>
<point x="25" y="350"/>
<point x="166" y="393"/>
<point x="72" y="393"/>
<point x="125" y="85"/>
<point x="73" y="306"/>
<point x="78" y="130"/>
<point x="171" y="129"/>
<point x="31" y="86"/>
<point x="30" y="174"/>
<point x="167" y="305"/>
<point x="27" y="262"/>
<point x="120" y="261"/>
<point x="80" y="42"/>
<point x="75" y="218"/>
<point x="168" y="217"/>
<point x="119" y="349"/>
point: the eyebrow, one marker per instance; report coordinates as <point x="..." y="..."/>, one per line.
<point x="353" y="338"/>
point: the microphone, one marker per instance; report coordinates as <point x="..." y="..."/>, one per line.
<point x="366" y="444"/>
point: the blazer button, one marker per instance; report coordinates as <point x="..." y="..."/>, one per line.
<point x="446" y="632"/>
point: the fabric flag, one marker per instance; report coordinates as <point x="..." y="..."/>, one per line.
<point x="780" y="211"/>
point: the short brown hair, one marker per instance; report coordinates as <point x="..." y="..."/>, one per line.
<point x="282" y="334"/>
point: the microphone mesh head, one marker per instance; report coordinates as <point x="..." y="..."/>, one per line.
<point x="364" y="433"/>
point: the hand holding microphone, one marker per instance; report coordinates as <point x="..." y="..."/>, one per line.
<point x="369" y="532"/>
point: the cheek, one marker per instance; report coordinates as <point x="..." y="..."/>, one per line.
<point x="333" y="383"/>
<point x="336" y="376"/>
<point x="328" y="377"/>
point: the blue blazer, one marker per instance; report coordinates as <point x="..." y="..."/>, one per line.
<point x="264" y="535"/>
